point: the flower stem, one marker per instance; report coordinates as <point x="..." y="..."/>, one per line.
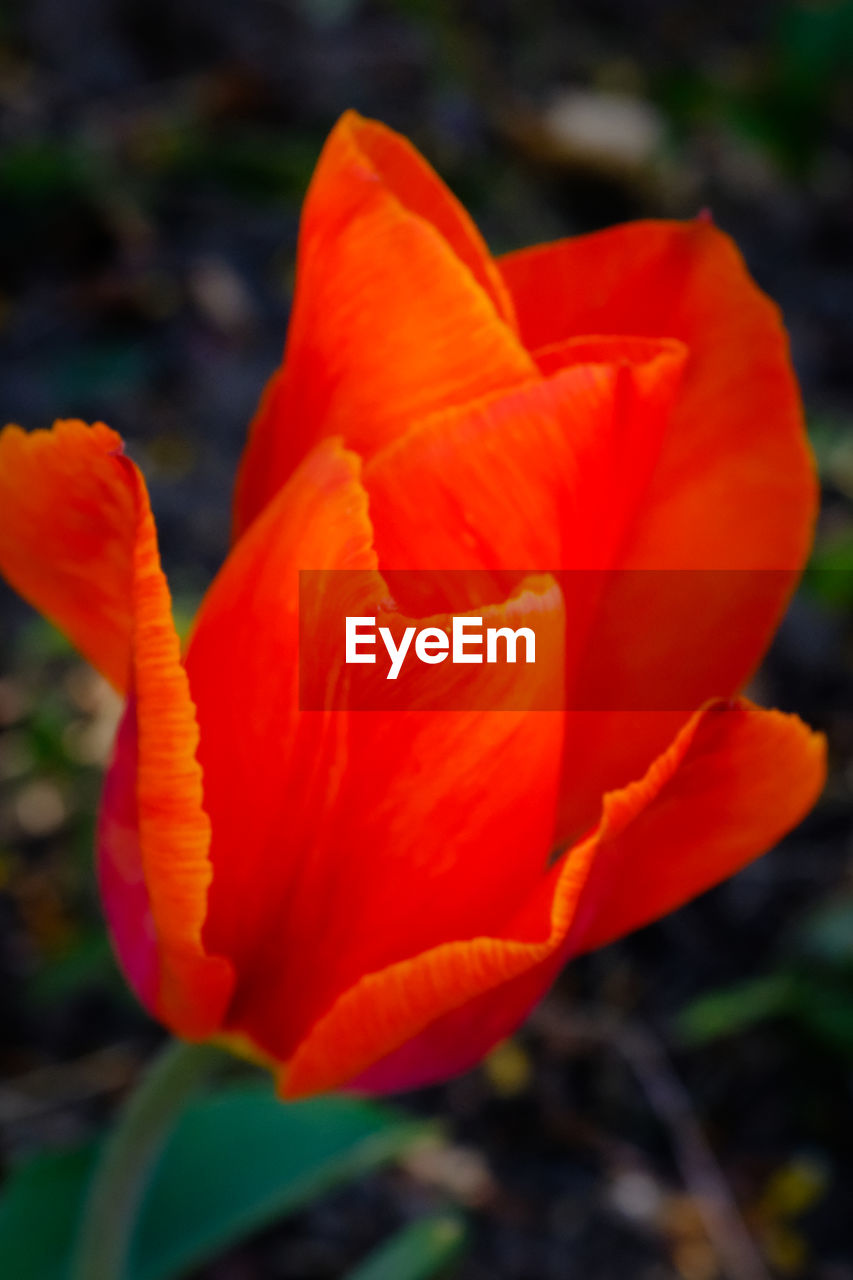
<point x="129" y="1155"/>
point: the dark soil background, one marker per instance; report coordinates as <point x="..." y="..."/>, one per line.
<point x="153" y="156"/>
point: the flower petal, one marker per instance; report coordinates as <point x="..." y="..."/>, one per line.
<point x="269" y="772"/>
<point x="66" y="536"/>
<point x="734" y="781"/>
<point x="330" y="864"/>
<point x="735" y="486"/>
<point x="397" y="312"/>
<point x="558" y="474"/>
<point x="78" y="540"/>
<point x="637" y="678"/>
<point x="420" y="190"/>
<point x="608" y="348"/>
<point x="167" y="839"/>
<point x="547" y="476"/>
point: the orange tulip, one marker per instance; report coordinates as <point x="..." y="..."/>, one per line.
<point x="374" y="898"/>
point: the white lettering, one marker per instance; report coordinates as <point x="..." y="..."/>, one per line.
<point x="353" y="639"/>
<point x="432" y="645"/>
<point x="461" y="638"/>
<point x="395" y="653"/>
<point x="511" y="638"/>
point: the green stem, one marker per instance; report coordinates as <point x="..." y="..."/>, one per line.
<point x="129" y="1155"/>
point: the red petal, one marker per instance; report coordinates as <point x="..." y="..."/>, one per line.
<point x="420" y="190"/>
<point x="735" y="485"/>
<point x="171" y="834"/>
<point x="355" y="839"/>
<point x="544" y="477"/>
<point x="78" y="540"/>
<point x="736" y="779"/>
<point x="398" y="312"/>
<point x="65" y="536"/>
<point x="557" y="475"/>
<point x="608" y="348"/>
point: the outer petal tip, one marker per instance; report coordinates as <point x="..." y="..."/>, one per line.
<point x="399" y="310"/>
<point x="64" y="535"/>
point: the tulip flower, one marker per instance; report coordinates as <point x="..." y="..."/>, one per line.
<point x="374" y="899"/>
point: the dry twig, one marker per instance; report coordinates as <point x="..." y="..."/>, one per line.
<point x="648" y="1060"/>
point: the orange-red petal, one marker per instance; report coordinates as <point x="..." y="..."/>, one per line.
<point x="170" y="839"/>
<point x="345" y="841"/>
<point x="269" y="772"/>
<point x="734" y="781"/>
<point x="546" y="476"/>
<point x="398" y="312"/>
<point x="558" y="474"/>
<point x="659" y="644"/>
<point x="417" y="186"/>
<point x="735" y="485"/>
<point x="66" y="536"/>
<point x="78" y="540"/>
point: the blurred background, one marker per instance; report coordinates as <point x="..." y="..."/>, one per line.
<point x="153" y="157"/>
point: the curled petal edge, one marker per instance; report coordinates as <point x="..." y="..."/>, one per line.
<point x="749" y="774"/>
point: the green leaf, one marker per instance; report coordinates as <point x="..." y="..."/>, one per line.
<point x="723" y="1013"/>
<point x="39" y="1211"/>
<point x="240" y="1160"/>
<point x="419" y="1251"/>
<point x="237" y="1160"/>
